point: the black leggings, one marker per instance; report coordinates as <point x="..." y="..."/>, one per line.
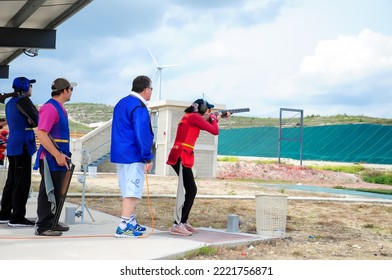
<point x="190" y="189"/>
<point x="17" y="188"/>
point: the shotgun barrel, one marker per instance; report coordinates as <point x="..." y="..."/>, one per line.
<point x="223" y="113"/>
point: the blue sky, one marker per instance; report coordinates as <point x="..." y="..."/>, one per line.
<point x="324" y="57"/>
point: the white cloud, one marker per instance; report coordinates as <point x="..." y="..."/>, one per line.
<point x="349" y="58"/>
<point x="350" y="72"/>
<point x="321" y="56"/>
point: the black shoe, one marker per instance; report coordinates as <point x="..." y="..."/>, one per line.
<point x="48" y="232"/>
<point x="22" y="223"/>
<point x="4" y="220"/>
<point x="62" y="227"/>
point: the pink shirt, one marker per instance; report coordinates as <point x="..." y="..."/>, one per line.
<point x="48" y="116"/>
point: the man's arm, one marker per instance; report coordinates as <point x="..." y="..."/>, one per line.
<point x="144" y="135"/>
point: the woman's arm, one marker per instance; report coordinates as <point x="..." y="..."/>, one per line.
<point x="197" y="120"/>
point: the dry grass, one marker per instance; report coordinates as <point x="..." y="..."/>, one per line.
<point x="315" y="230"/>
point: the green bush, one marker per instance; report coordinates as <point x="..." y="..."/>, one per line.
<point x="353" y="169"/>
<point x="384" y="178"/>
<point x="228" y="159"/>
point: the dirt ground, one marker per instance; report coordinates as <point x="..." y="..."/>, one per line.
<point x="315" y="229"/>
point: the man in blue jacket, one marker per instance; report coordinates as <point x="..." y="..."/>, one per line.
<point x="22" y="116"/>
<point x="131" y="150"/>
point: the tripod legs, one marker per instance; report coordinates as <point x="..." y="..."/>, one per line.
<point x="81" y="213"/>
<point x="82" y="206"/>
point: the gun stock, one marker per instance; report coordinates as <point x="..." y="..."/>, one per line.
<point x="4" y="96"/>
<point x="231" y="111"/>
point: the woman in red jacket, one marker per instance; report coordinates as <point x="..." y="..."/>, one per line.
<point x="197" y="117"/>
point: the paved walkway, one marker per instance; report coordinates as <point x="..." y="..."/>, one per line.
<point x="94" y="240"/>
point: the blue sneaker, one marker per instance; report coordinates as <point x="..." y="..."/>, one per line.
<point x="128" y="232"/>
<point x="137" y="227"/>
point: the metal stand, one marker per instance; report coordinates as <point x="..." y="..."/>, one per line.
<point x="82" y="179"/>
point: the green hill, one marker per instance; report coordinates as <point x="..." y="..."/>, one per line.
<point x="83" y="114"/>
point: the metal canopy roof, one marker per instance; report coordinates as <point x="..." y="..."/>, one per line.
<point x="30" y="24"/>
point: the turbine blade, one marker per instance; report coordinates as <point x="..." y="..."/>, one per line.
<point x="169" y="65"/>
<point x="153" y="57"/>
<point x="155" y="73"/>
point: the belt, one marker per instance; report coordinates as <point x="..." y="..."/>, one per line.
<point x="29" y="128"/>
<point x="61" y="140"/>
<point x="187" y="145"/>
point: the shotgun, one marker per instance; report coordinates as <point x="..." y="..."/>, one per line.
<point x="4" y="96"/>
<point x="64" y="187"/>
<point x="223" y="113"/>
<point x="25" y="106"/>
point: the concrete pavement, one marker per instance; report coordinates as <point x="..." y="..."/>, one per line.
<point x="94" y="240"/>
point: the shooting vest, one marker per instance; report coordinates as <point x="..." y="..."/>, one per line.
<point x="60" y="134"/>
<point x="184" y="143"/>
<point x="21" y="137"/>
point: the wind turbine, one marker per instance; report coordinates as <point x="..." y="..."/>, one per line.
<point x="159" y="70"/>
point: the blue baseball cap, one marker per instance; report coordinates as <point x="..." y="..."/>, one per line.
<point x="209" y="106"/>
<point x="22" y="84"/>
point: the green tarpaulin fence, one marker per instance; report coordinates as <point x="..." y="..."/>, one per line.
<point x="364" y="143"/>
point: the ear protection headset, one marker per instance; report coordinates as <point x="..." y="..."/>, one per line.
<point x="200" y="106"/>
<point x="203" y="107"/>
<point x="21" y="84"/>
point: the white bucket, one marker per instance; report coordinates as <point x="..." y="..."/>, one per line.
<point x="271" y="215"/>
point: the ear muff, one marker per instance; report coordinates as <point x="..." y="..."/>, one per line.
<point x="25" y="85"/>
<point x="21" y="85"/>
<point x="203" y="108"/>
